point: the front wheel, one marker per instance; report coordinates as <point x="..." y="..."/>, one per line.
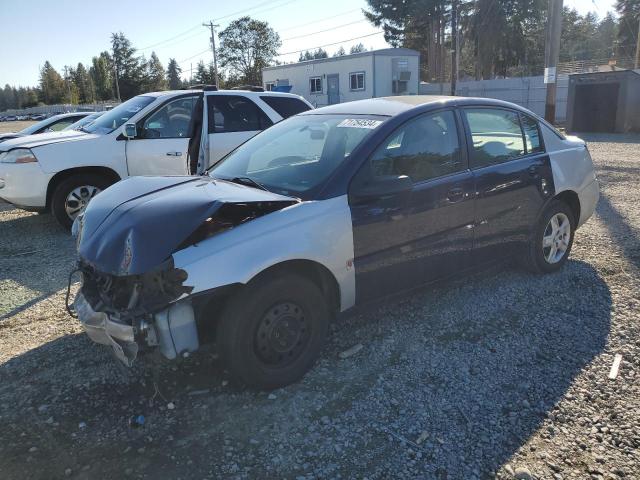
<point x="272" y="331"/>
<point x="73" y="194"/>
<point x="552" y="239"/>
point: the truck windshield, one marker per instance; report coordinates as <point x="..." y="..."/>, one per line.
<point x="115" y="118"/>
<point x="297" y="154"/>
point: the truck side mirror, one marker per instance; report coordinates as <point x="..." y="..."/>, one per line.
<point x="130" y="130"/>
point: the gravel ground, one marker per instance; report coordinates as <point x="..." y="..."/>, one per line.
<point x="501" y="375"/>
<point x="14" y="126"/>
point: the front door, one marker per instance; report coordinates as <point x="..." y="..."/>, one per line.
<point x="405" y="240"/>
<point x="233" y="119"/>
<point x="513" y="179"/>
<point x="162" y="140"/>
<point x="333" y="88"/>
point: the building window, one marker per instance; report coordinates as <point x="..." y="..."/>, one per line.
<point x="356" y="81"/>
<point x="269" y="86"/>
<point x="315" y="84"/>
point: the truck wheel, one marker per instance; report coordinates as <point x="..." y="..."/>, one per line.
<point x="552" y="239"/>
<point x="272" y="331"/>
<point x="73" y="194"/>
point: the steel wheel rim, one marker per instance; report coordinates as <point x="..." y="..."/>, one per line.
<point x="78" y="199"/>
<point x="282" y="334"/>
<point x="556" y="238"/>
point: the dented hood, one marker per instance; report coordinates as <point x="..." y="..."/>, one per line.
<point x="136" y="224"/>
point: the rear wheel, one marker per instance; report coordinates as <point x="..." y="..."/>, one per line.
<point x="73" y="194"/>
<point x="272" y="331"/>
<point x="552" y="239"/>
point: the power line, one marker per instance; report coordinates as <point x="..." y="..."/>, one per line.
<point x="169" y="39"/>
<point x="208" y="49"/>
<point x="330" y="44"/>
<point x="325" y="30"/>
<point x="320" y="20"/>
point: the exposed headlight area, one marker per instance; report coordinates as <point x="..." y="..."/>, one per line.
<point x="18" y="155"/>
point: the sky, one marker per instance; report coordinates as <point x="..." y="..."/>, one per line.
<point x="71" y="31"/>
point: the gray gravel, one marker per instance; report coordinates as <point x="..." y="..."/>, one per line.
<point x="504" y="374"/>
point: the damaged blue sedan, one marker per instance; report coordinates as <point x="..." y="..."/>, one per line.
<point x="324" y="211"/>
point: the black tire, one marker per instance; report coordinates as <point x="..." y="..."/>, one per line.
<point x="535" y="255"/>
<point x="64" y="188"/>
<point x="249" y="327"/>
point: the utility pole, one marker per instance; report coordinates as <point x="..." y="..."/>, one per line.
<point x="213" y="48"/>
<point x="115" y="71"/>
<point x="637" y="62"/>
<point x="191" y="74"/>
<point x="454" y="46"/>
<point x="552" y="53"/>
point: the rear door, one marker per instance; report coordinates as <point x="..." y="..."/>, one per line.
<point x="406" y="240"/>
<point x="232" y="120"/>
<point x="162" y="140"/>
<point x="512" y="176"/>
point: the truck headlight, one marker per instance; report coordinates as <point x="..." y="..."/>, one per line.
<point x="18" y="155"/>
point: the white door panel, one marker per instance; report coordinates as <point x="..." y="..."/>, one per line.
<point x="157" y="156"/>
<point x="222" y="143"/>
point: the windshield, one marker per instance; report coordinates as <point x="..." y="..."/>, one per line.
<point x="297" y="154"/>
<point x="83" y="121"/>
<point x="115" y="118"/>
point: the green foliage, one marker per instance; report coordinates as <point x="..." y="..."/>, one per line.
<point x="52" y="87"/>
<point x="628" y="24"/>
<point x="246" y="47"/>
<point x="154" y="76"/>
<point x="319" y="53"/>
<point x="173" y="75"/>
<point x="102" y="77"/>
<point x="359" y="48"/>
<point x="340" y="52"/>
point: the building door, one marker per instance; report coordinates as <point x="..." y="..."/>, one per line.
<point x="595" y="107"/>
<point x="333" y="88"/>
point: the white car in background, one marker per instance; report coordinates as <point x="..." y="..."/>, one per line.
<point x="55" y="123"/>
<point x="163" y="133"/>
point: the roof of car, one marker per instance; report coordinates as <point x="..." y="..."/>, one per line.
<point x="213" y="92"/>
<point x="391" y="106"/>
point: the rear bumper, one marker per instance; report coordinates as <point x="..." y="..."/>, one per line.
<point x="24" y="185"/>
<point x="588" y="197"/>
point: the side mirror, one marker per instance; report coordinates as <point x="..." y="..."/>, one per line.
<point x="381" y="187"/>
<point x="130" y="130"/>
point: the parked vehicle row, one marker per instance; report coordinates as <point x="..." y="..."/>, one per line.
<point x="324" y="211"/>
<point x="163" y="133"/>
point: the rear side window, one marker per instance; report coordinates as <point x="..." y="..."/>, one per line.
<point x="496" y="135"/>
<point x="234" y="113"/>
<point x="285" y="106"/>
<point x="531" y="134"/>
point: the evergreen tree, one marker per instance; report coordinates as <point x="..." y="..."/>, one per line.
<point x="359" y="48"/>
<point x="629" y="11"/>
<point x="173" y="74"/>
<point x="102" y="76"/>
<point x="84" y="84"/>
<point x="52" y="85"/>
<point x="127" y="66"/>
<point x="154" y="74"/>
<point x="340" y="52"/>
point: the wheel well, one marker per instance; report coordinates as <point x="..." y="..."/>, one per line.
<point x="571" y="199"/>
<point x="316" y="272"/>
<point x="63" y="175"/>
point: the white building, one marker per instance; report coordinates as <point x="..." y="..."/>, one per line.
<point x="325" y="81"/>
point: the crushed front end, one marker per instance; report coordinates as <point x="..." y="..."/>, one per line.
<point x="133" y="312"/>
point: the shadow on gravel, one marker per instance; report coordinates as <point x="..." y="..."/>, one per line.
<point x="450" y="383"/>
<point x="627" y="237"/>
<point x="36" y="256"/>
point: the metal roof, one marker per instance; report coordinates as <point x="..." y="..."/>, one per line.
<point x="389" y="52"/>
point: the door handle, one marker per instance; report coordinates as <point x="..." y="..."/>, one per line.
<point x="455" y="194"/>
<point x="174" y="154"/>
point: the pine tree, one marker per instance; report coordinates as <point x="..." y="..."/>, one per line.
<point x="173" y="74"/>
<point x="128" y="67"/>
<point x="102" y="77"/>
<point x="84" y="84"/>
<point x="154" y="74"/>
<point x="340" y="52"/>
<point x="359" y="48"/>
<point x="52" y="85"/>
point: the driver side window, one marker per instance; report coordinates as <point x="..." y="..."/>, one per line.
<point x="172" y="120"/>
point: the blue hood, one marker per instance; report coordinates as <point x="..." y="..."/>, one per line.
<point x="135" y="225"/>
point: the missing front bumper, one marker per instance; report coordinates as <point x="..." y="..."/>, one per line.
<point x="101" y="329"/>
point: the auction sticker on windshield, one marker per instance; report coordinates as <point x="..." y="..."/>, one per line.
<point x="359" y="123"/>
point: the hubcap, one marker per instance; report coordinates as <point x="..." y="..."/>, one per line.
<point x="78" y="199"/>
<point x="282" y="335"/>
<point x="556" y="238"/>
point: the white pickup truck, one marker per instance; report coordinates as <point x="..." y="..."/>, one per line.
<point x="162" y="133"/>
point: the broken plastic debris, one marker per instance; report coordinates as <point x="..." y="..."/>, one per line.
<point x="615" y="366"/>
<point x="351" y="351"/>
<point x="171" y="405"/>
<point x="136" y="421"/>
<point x="82" y="425"/>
